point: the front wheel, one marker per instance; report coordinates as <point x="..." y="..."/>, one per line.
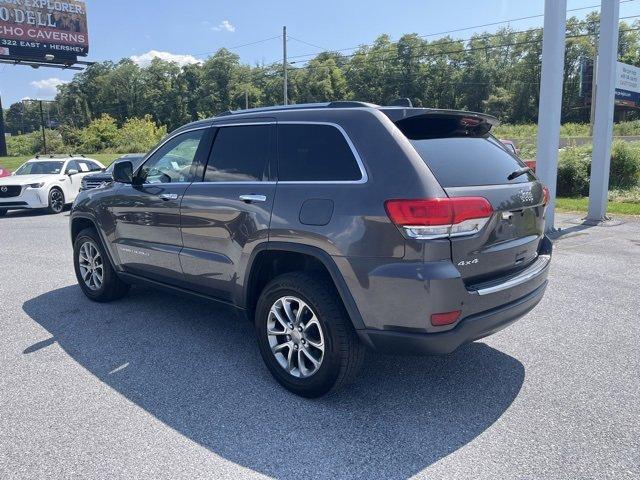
<point x="305" y="336"/>
<point x="96" y="277"/>
<point x="56" y="201"/>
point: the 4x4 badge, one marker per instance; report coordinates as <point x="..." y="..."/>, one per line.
<point x="464" y="263"/>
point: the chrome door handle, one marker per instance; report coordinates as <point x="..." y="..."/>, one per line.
<point x="169" y="196"/>
<point x="253" y="198"/>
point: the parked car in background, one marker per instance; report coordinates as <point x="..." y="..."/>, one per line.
<point x="333" y="226"/>
<point x="95" y="180"/>
<point x="4" y="172"/>
<point x="45" y="182"/>
<point x="513" y="149"/>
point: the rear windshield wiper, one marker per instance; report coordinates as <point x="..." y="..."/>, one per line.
<point x="517" y="173"/>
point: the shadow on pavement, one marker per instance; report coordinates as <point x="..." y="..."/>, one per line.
<point x="195" y="366"/>
<point x="25" y="213"/>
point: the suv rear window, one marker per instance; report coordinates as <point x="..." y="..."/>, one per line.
<point x="459" y="156"/>
<point x="315" y="152"/>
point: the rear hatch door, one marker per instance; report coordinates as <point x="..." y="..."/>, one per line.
<point x="469" y="162"/>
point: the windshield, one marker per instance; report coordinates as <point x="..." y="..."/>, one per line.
<point x="40" y="168"/>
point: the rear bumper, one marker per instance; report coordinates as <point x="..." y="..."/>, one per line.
<point x="469" y="329"/>
<point x="396" y="301"/>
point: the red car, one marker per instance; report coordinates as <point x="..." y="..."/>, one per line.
<point x="4" y="172"/>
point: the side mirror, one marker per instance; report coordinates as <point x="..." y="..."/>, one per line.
<point x="123" y="172"/>
<point x="72" y="171"/>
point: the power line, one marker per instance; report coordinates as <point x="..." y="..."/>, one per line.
<point x="447" y="32"/>
<point x="451" y="52"/>
<point x="236" y="47"/>
<point x="307" y="43"/>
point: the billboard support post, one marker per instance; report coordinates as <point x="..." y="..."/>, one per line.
<point x="44" y="136"/>
<point x="605" y="98"/>
<point x="3" y="139"/>
<point x="553" y="48"/>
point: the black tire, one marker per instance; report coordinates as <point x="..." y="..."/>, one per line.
<point x="343" y="355"/>
<point x="3" y="212"/>
<point x="111" y="288"/>
<point x="56" y="201"/>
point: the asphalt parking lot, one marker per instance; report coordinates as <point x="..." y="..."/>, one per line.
<point x="158" y="386"/>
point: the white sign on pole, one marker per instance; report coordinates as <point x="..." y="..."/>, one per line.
<point x="627" y="85"/>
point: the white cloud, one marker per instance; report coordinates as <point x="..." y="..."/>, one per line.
<point x="226" y="26"/>
<point x="48" y="87"/>
<point x="182" y="60"/>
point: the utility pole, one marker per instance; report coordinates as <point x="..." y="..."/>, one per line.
<point x="603" y="123"/>
<point x="3" y="140"/>
<point x="284" y="64"/>
<point x="246" y="100"/>
<point x="44" y="136"/>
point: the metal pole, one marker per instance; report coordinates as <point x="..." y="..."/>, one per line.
<point x="246" y="100"/>
<point x="3" y="139"/>
<point x="605" y="97"/>
<point x="44" y="136"/>
<point x="553" y="48"/>
<point x="594" y="89"/>
<point x="284" y="64"/>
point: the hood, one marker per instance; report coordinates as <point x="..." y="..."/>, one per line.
<point x="27" y="179"/>
<point x="95" y="177"/>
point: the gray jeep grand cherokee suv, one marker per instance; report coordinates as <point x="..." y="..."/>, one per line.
<point x="335" y="227"/>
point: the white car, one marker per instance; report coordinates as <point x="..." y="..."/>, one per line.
<point x="49" y="183"/>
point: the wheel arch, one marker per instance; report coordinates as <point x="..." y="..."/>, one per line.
<point x="275" y="258"/>
<point x="79" y="222"/>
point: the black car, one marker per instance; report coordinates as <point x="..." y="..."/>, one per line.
<point x="96" y="179"/>
<point x="335" y="227"/>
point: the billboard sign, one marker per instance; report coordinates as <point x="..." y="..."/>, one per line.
<point x="627" y="85"/>
<point x="33" y="30"/>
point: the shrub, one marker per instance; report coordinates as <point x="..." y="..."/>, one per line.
<point x="100" y="135"/>
<point x="31" y="143"/>
<point x="625" y="165"/>
<point x="573" y="171"/>
<point x="138" y="135"/>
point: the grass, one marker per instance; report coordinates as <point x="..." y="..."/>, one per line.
<point x="581" y="204"/>
<point x="12" y="163"/>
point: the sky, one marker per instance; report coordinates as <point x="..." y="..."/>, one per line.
<point x="189" y="30"/>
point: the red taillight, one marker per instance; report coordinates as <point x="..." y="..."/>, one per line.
<point x="545" y="195"/>
<point x="439" y="217"/>
<point x="447" y="318"/>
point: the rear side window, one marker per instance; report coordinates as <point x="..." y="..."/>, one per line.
<point x="315" y="153"/>
<point x="241" y="154"/>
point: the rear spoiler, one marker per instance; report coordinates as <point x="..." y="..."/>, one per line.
<point x="435" y="123"/>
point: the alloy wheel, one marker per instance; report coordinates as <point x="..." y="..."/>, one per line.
<point x="91" y="265"/>
<point x="57" y="201"/>
<point x="295" y="337"/>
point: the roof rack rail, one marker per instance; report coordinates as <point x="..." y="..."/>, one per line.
<point x="301" y="106"/>
<point x="39" y="156"/>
